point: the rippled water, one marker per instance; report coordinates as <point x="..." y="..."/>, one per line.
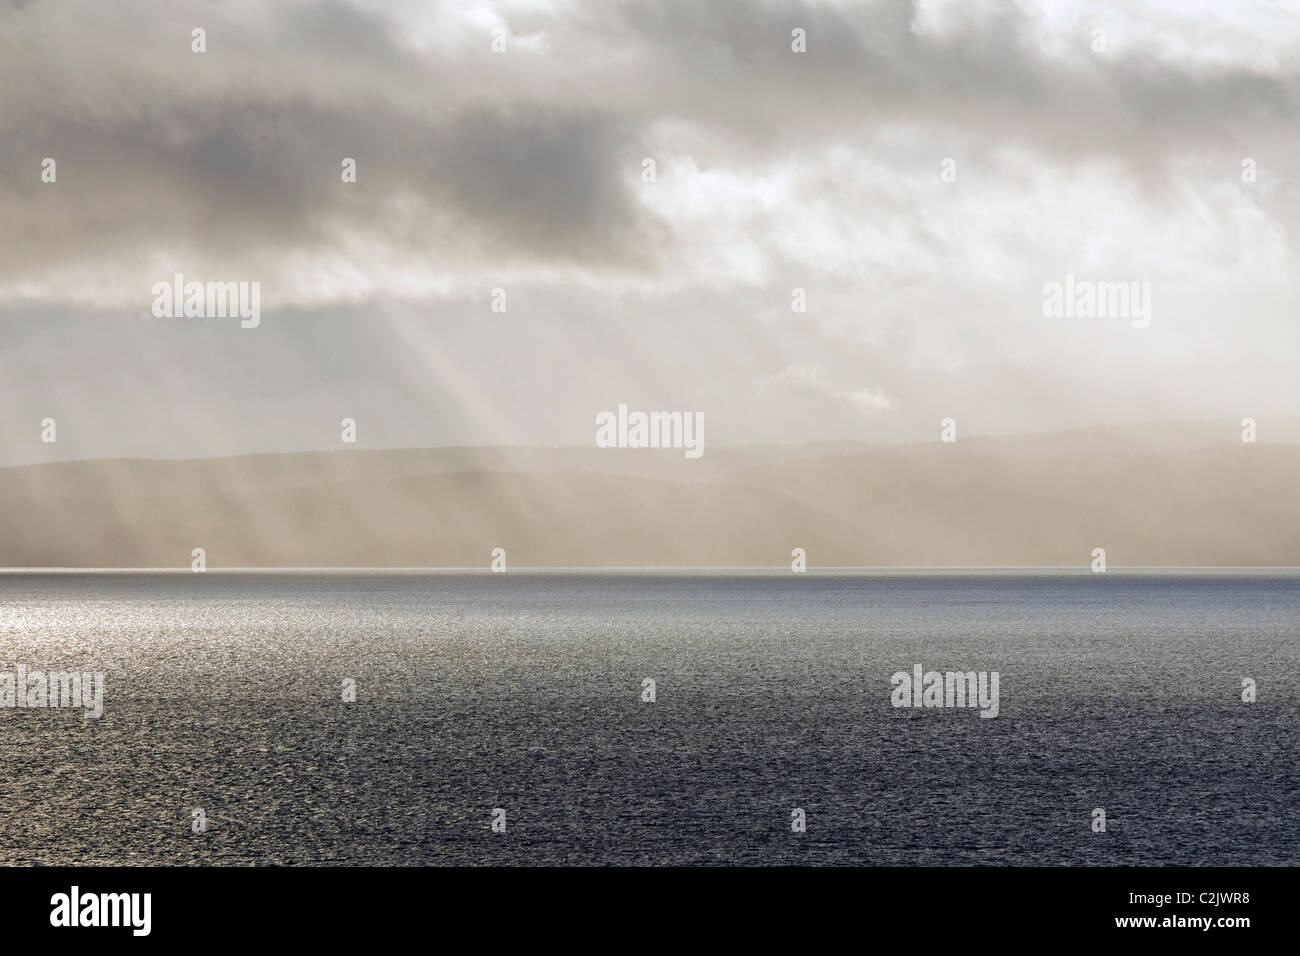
<point x="523" y="691"/>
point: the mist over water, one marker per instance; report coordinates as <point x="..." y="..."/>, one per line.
<point x="523" y="691"/>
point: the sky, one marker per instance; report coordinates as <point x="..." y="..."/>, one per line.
<point x="921" y="171"/>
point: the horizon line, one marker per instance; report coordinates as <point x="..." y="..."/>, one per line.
<point x="722" y="445"/>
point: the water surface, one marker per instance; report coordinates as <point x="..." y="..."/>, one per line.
<point x="523" y="691"/>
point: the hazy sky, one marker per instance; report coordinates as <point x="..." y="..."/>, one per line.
<point x="1112" y="157"/>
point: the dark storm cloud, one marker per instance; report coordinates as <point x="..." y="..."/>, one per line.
<point x="534" y="161"/>
<point x="254" y="161"/>
<point x="728" y="64"/>
<point x="530" y="183"/>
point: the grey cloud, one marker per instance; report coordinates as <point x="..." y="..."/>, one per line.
<point x="520" y="171"/>
<point x="539" y="185"/>
<point x="867" y="65"/>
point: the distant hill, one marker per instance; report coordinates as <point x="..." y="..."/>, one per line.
<point x="1161" y="495"/>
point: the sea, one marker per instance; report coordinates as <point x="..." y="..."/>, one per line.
<point x="647" y="718"/>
